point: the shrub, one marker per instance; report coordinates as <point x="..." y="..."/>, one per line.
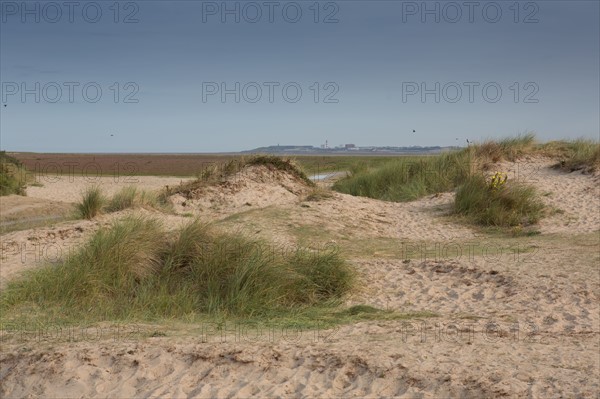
<point x="512" y="204"/>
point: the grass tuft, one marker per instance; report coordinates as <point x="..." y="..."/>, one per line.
<point x="123" y="199"/>
<point x="135" y="269"/>
<point x="132" y="197"/>
<point x="510" y="148"/>
<point x="513" y="204"/>
<point x="91" y="204"/>
<point x="94" y="202"/>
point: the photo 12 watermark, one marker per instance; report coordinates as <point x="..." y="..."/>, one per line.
<point x="90" y="172"/>
<point x="252" y="12"/>
<point x="470" y="92"/>
<point x="57" y="332"/>
<point x="270" y="92"/>
<point x="41" y="252"/>
<point x="488" y="251"/>
<point x="469" y="332"/>
<point x="69" y="92"/>
<point x="210" y="333"/>
<point x="452" y="12"/>
<point x="52" y="12"/>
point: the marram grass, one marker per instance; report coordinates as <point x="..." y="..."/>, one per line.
<point x="497" y="202"/>
<point x="136" y="269"/>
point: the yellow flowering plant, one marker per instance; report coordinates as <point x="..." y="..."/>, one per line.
<point x="498" y="180"/>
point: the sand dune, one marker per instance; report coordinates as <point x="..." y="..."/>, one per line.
<point x="522" y="322"/>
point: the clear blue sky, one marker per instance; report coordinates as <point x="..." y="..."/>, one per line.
<point x="373" y="57"/>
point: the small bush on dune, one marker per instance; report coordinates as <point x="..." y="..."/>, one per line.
<point x="136" y="269"/>
<point x="503" y="205"/>
<point x="91" y="204"/>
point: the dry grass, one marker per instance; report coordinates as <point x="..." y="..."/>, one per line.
<point x="319" y="194"/>
<point x="510" y="149"/>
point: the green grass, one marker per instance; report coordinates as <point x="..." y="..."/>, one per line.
<point x="94" y="202"/>
<point x="13" y="177"/>
<point x="407" y="178"/>
<point x="137" y="270"/>
<point x="123" y="199"/>
<point x="510" y="148"/>
<point x="91" y="203"/>
<point x="581" y="154"/>
<point x="131" y="197"/>
<point x="514" y="204"/>
<point x="312" y="165"/>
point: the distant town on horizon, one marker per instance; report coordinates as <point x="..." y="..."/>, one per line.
<point x="349" y="149"/>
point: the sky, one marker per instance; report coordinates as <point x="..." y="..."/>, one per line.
<point x="198" y="76"/>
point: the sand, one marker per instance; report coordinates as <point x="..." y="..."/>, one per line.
<point x="490" y="317"/>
